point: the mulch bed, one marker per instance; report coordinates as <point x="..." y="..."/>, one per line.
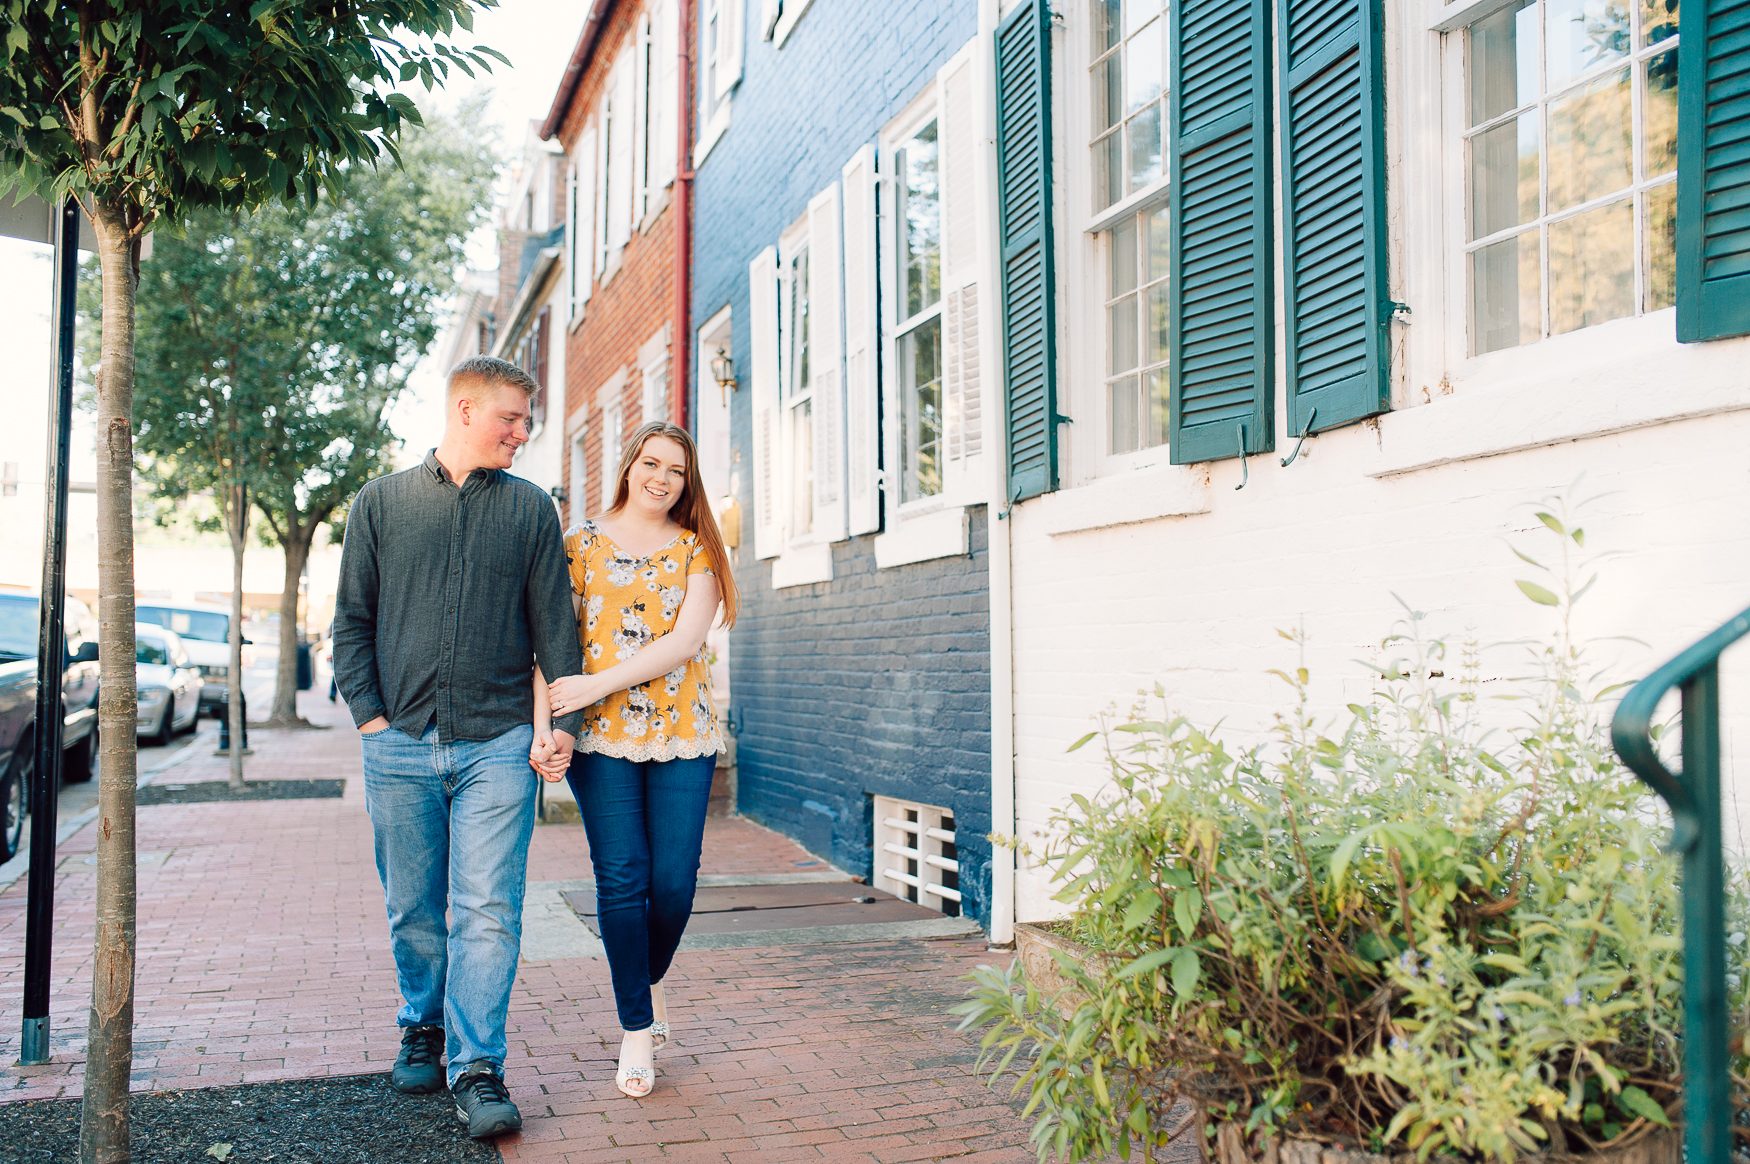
<point x="209" y="791"/>
<point x="357" y="1120"/>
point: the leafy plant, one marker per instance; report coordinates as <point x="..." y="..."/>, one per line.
<point x="1412" y="933"/>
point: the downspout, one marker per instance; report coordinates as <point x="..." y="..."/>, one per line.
<point x="681" y="342"/>
<point x="1002" y="649"/>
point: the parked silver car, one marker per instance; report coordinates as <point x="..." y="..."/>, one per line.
<point x="169" y="683"/>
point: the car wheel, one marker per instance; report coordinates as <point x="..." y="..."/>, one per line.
<point x="166" y="724"/>
<point x="15" y="799"/>
<point x="80" y="764"/>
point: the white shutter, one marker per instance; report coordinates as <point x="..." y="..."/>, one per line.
<point x="582" y="211"/>
<point x="828" y="360"/>
<point x="665" y="48"/>
<point x="573" y="246"/>
<point x="622" y="130"/>
<point x="731" y="36"/>
<point x="762" y="318"/>
<point x="642" y="80"/>
<point x="862" y="330"/>
<point x="957" y="122"/>
<point x="599" y="231"/>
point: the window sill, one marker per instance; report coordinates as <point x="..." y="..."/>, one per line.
<point x="1588" y="383"/>
<point x="921" y="537"/>
<point x="713" y="130"/>
<point x="1126" y="499"/>
<point x="802" y="566"/>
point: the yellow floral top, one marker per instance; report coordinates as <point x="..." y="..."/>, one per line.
<point x="629" y="603"/>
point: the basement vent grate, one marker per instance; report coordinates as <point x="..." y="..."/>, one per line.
<point x="915" y="855"/>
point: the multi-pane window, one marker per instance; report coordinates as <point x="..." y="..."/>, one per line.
<point x="1127" y="78"/>
<point x="1137" y="316"/>
<point x="611" y="437"/>
<point x="800" y="401"/>
<point x="710" y="29"/>
<point x="920" y="310"/>
<point x="1572" y="153"/>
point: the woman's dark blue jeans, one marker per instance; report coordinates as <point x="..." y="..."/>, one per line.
<point x="646" y="823"/>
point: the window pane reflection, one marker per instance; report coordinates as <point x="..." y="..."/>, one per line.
<point x="1504" y="176"/>
<point x="1659" y="114"/>
<point x="1591" y="141"/>
<point x="1121" y="411"/>
<point x="1503" y="61"/>
<point x="922" y="231"/>
<point x="1506" y="292"/>
<point x="1144" y="134"/>
<point x="1658" y="20"/>
<point x="1661" y="231"/>
<point x="921" y="403"/>
<point x="1584" y="34"/>
<point x="802" y="469"/>
<point x="1592" y="267"/>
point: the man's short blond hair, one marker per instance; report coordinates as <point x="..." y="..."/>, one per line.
<point x="477" y="372"/>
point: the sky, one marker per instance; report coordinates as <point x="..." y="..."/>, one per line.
<point x="537" y="36"/>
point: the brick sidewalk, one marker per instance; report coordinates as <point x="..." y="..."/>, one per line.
<point x="263" y="954"/>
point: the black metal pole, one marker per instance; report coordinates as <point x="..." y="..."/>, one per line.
<point x="51" y="650"/>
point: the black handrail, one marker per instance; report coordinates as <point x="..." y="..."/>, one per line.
<point x="1694" y="797"/>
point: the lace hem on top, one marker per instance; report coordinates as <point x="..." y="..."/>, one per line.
<point x="643" y="752"/>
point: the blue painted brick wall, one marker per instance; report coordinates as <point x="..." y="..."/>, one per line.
<point x="879" y="681"/>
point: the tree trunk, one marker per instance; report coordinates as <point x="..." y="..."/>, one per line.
<point x="237" y="523"/>
<point x="103" y="1123"/>
<point x="285" y="689"/>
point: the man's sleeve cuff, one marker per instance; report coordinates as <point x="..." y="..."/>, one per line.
<point x="571" y="724"/>
<point x="363" y="713"/>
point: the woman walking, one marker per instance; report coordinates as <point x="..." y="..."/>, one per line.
<point x="648" y="577"/>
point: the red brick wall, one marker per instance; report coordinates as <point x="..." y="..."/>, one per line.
<point x="633" y="305"/>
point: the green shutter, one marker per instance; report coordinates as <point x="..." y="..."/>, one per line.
<point x="1024" y="224"/>
<point x="1333" y="171"/>
<point x="1222" y="254"/>
<point x="1713" y="170"/>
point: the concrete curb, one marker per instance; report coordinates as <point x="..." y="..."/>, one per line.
<point x="12" y="870"/>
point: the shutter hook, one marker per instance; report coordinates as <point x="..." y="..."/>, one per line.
<point x="1310" y="417"/>
<point x="1245" y="472"/>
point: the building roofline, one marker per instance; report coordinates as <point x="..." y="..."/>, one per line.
<point x="580" y="58"/>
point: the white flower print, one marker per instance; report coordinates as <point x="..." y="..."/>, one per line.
<point x="621" y="570"/>
<point x="595" y="650"/>
<point x="649" y="576"/>
<point x="633" y="634"/>
<point x="592" y="610"/>
<point x="671" y="601"/>
<point x="670" y="565"/>
<point x="701" y="717"/>
<point x="671" y="682"/>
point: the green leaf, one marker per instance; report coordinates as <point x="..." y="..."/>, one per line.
<point x="1141" y="909"/>
<point x="1186" y="968"/>
<point x="1637" y="1102"/>
<point x="1153" y="960"/>
<point x="1538" y="594"/>
<point x="1082" y="741"/>
<point x="1550" y="521"/>
<point x="1187" y="909"/>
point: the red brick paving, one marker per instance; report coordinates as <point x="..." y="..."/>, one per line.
<point x="263" y="954"/>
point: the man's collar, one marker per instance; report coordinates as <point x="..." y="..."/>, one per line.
<point x="436" y="468"/>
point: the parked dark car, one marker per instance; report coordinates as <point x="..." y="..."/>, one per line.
<point x="18" y="634"/>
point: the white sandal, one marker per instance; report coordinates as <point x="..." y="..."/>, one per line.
<point x="659" y="1028"/>
<point x="625" y="1077"/>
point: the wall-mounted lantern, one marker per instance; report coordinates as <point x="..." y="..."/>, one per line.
<point x="723" y="371"/>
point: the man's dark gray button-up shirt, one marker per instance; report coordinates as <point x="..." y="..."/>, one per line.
<point x="447" y="599"/>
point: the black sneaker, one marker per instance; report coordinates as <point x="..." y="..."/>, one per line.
<point x="483" y="1103"/>
<point x="418" y="1068"/>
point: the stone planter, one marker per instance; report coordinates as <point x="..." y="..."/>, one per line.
<point x="1035" y="946"/>
<point x="1231" y="1146"/>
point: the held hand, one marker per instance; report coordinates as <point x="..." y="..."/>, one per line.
<point x="572" y="693"/>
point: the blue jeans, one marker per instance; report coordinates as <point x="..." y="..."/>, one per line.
<point x="452" y="824"/>
<point x="646" y="824"/>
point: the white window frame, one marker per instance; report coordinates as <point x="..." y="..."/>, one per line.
<point x="653" y="377"/>
<point x="790" y="12"/>
<point x="793" y="244"/>
<point x="722" y="25"/>
<point x="915" y="854"/>
<point x="1639" y="189"/>
<point x="613" y="433"/>
<point x="577" y="461"/>
<point x="893" y="326"/>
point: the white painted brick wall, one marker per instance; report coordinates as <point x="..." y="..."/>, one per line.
<point x="1195" y="601"/>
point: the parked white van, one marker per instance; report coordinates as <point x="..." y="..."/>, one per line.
<point x="205" y="631"/>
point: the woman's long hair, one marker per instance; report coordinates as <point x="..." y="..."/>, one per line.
<point x="691" y="510"/>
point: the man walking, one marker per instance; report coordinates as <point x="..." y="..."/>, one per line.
<point x="452" y="585"/>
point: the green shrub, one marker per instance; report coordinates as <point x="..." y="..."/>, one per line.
<point x="1415" y="932"/>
